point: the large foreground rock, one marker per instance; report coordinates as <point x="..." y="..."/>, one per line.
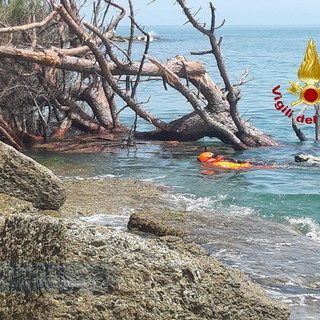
<point x="65" y="269"/>
<point x="25" y="179"/>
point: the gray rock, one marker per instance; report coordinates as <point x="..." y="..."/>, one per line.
<point x="25" y="179"/>
<point x="141" y="279"/>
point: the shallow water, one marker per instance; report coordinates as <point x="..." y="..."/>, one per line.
<point x="255" y="220"/>
<point x="265" y="222"/>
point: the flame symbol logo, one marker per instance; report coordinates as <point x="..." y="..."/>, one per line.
<point x="309" y="73"/>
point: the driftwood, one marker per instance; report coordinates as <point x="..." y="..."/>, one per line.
<point x="82" y="64"/>
<point x="220" y="118"/>
<point x="53" y="58"/>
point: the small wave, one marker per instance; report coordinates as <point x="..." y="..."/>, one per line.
<point x="241" y="211"/>
<point x="303" y="306"/>
<point x="115" y="221"/>
<point x="98" y="177"/>
<point x="153" y="179"/>
<point x="307" y="226"/>
<point x="189" y="202"/>
<point x="143" y="37"/>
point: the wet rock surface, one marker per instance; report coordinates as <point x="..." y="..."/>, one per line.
<point x="110" y="196"/>
<point x="53" y="267"/>
<point x="163" y="278"/>
<point x="96" y="197"/>
<point x="152" y="224"/>
<point x="22" y="177"/>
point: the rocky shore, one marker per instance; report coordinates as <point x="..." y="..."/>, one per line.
<point x="55" y="266"/>
<point x="24" y="178"/>
<point x="69" y="270"/>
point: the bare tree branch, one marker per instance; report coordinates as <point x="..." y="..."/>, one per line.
<point x="107" y="45"/>
<point x="10" y="134"/>
<point x="114" y="24"/>
<point x="175" y="82"/>
<point x="243" y="80"/>
<point x="232" y="98"/>
<point x="146" y="50"/>
<point x="132" y="28"/>
<point x="76" y="65"/>
<point x="61" y="61"/>
<point x="107" y="75"/>
<point x="33" y="25"/>
<point x="317" y="124"/>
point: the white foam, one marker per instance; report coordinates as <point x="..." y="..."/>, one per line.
<point x="240" y="211"/>
<point x="104" y="176"/>
<point x="153" y="179"/>
<point x="189" y="202"/>
<point x="115" y="221"/>
<point x="98" y="177"/>
<point x="306" y="225"/>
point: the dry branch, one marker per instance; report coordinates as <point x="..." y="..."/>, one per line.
<point x="83" y="51"/>
<point x="10" y="134"/>
<point x="29" y="26"/>
<point x="53" y="58"/>
<point x="215" y="48"/>
<point x="175" y="82"/>
<point x="298" y="131"/>
<point x="114" y="24"/>
<point x="107" y="75"/>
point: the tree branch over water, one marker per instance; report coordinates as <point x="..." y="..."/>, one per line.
<point x="73" y="71"/>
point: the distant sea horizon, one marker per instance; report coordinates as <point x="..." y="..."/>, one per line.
<point x="229" y="25"/>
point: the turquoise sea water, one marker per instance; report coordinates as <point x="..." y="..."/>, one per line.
<point x="273" y="56"/>
<point x="270" y="218"/>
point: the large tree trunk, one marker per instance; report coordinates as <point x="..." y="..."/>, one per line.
<point x="192" y="128"/>
<point x="94" y="96"/>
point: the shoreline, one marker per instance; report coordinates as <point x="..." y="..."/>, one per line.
<point x="225" y="236"/>
<point x="90" y="243"/>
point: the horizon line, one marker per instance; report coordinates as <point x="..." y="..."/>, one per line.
<point x="232" y="25"/>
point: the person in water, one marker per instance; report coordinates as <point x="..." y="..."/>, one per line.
<point x="214" y="160"/>
<point x="210" y="157"/>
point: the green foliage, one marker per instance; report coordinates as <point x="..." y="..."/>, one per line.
<point x="18" y="12"/>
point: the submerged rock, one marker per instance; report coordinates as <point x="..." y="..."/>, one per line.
<point x="136" y="278"/>
<point x="25" y="179"/>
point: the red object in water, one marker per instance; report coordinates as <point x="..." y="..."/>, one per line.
<point x="218" y="161"/>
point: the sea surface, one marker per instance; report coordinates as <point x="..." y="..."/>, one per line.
<point x="269" y="220"/>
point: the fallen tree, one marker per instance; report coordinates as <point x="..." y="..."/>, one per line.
<point x="68" y="73"/>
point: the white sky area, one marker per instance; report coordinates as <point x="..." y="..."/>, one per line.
<point x="236" y="12"/>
